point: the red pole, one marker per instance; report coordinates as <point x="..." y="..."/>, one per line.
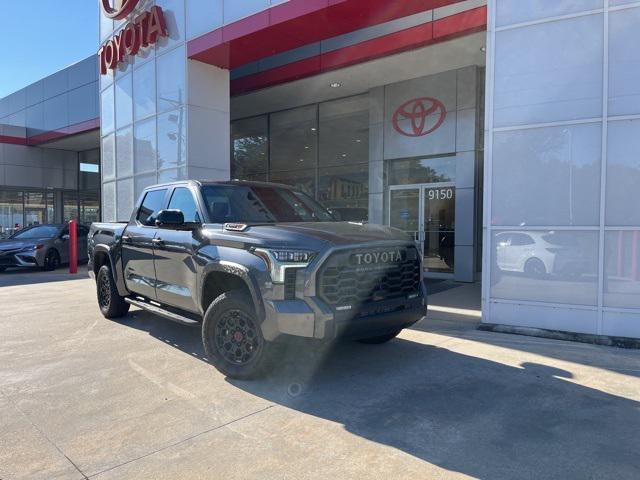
<point x="73" y="246"/>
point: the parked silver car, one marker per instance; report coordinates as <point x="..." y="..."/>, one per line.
<point x="44" y="246"/>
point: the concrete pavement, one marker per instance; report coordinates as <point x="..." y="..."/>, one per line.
<point x="84" y="397"/>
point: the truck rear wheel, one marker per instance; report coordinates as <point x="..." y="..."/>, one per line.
<point x="233" y="339"/>
<point x="112" y="305"/>
<point x="380" y="339"/>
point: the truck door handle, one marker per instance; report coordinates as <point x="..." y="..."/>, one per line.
<point x="158" y="242"/>
<point x="126" y="239"/>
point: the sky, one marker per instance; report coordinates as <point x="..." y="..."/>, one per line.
<point x="40" y="37"/>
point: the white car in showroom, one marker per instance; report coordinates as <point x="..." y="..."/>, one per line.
<point x="538" y="254"/>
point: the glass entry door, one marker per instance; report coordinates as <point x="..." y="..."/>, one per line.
<point x="404" y="210"/>
<point x="428" y="213"/>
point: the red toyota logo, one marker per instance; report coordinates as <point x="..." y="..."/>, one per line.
<point x="120" y="9"/>
<point x="419" y="117"/>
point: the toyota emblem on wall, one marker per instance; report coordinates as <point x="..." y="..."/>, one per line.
<point x="118" y="9"/>
<point x="419" y="117"/>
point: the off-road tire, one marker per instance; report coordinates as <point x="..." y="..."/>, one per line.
<point x="111" y="304"/>
<point x="380" y="339"/>
<point x="233" y="339"/>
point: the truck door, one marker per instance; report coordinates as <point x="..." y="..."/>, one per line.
<point x="176" y="272"/>
<point x="138" y="245"/>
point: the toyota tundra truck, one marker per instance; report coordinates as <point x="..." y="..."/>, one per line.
<point x="253" y="263"/>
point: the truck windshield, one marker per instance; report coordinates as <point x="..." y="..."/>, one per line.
<point x="258" y="204"/>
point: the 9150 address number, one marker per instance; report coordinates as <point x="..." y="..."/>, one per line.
<point x="440" y="193"/>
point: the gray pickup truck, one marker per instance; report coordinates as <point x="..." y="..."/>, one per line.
<point x="252" y="263"/>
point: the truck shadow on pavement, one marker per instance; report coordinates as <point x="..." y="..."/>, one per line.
<point x="462" y="413"/>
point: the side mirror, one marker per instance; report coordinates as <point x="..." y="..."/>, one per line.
<point x="170" y="219"/>
<point x="65" y="237"/>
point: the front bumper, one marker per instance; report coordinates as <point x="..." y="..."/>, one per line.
<point x="19" y="259"/>
<point x="309" y="315"/>
<point x="312" y="318"/>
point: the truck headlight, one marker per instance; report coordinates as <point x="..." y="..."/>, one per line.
<point x="278" y="260"/>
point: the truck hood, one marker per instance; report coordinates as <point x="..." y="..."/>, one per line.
<point x="316" y="235"/>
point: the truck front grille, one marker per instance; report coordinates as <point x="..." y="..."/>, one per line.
<point x="341" y="282"/>
<point x="290" y="277"/>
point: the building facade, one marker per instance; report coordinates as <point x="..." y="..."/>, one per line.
<point x="509" y="159"/>
<point x="560" y="217"/>
<point x="49" y="150"/>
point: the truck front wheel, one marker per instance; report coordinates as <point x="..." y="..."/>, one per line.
<point x="233" y="339"/>
<point x="112" y="305"/>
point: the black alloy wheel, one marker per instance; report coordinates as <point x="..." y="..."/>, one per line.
<point x="236" y="337"/>
<point x="111" y="304"/>
<point x="232" y="337"/>
<point x="104" y="291"/>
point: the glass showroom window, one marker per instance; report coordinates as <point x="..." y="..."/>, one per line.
<point x="11" y="212"/>
<point x="294" y="135"/>
<point x="35" y="208"/>
<point x="343" y="157"/>
<point x="70" y="206"/>
<point x="421" y="170"/>
<point x="89" y="198"/>
<point x="554" y="266"/>
<point x="51" y="206"/>
<point x="250" y="144"/>
<point x="89" y="207"/>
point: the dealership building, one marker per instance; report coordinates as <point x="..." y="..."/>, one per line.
<point x="504" y="135"/>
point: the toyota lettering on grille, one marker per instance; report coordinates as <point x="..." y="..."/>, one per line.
<point x="378" y="257"/>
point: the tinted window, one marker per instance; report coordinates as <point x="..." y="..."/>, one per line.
<point x="44" y="231"/>
<point x="520" y="239"/>
<point x="561" y="239"/>
<point x="503" y="239"/>
<point x="151" y="205"/>
<point x="182" y="199"/>
<point x="258" y="204"/>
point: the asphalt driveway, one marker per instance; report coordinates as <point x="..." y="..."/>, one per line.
<point x="84" y="397"/>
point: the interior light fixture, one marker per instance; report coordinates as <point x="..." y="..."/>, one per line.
<point x="335" y="85"/>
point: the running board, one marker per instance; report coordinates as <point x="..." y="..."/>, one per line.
<point x="174" y="317"/>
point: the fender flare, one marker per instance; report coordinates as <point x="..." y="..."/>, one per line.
<point x="239" y="271"/>
<point x="108" y="251"/>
